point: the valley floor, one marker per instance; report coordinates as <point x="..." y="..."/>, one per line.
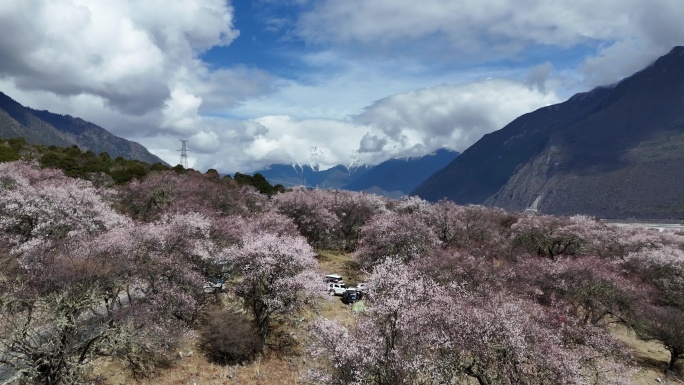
<point x="649" y="225"/>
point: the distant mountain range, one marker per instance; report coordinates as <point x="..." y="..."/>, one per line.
<point x="44" y="127"/>
<point x="393" y="178"/>
<point x="613" y="152"/>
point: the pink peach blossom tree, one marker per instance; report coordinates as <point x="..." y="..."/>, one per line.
<point x="274" y="276"/>
<point x="403" y="236"/>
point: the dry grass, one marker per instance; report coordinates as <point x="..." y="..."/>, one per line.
<point x="191" y="367"/>
<point x="342" y="264"/>
<point x="651" y="356"/>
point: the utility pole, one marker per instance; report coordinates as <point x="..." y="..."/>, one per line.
<point x="184" y="154"/>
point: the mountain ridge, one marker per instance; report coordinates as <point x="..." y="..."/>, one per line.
<point x="599" y="153"/>
<point x="393" y="178"/>
<point x="48" y="128"/>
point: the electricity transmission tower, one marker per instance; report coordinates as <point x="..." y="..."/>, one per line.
<point x="184" y="154"/>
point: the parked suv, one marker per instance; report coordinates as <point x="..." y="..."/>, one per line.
<point x="336" y="288"/>
<point x="332" y="278"/>
<point x="213" y="286"/>
<point x="351" y="295"/>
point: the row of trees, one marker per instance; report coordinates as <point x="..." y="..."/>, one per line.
<point x="457" y="292"/>
<point x="471" y="292"/>
<point x="100" y="168"/>
<point x="420" y="331"/>
<point x="90" y="272"/>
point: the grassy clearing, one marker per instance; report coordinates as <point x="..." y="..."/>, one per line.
<point x="343" y="264"/>
<point x="190" y="367"/>
<point x="651" y="356"/>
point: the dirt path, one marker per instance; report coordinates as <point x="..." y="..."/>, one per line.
<point x="651" y="356"/>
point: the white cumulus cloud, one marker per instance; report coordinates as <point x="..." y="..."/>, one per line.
<point x="473" y="31"/>
<point x="451" y="116"/>
<point x="405" y="124"/>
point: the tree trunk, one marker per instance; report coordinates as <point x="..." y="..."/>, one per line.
<point x="674" y="355"/>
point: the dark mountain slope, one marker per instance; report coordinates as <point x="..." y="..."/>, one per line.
<point x="44" y="127"/>
<point x="393" y="178"/>
<point x="611" y="152"/>
<point x="398" y="177"/>
<point x="19" y="121"/>
<point x="483" y="168"/>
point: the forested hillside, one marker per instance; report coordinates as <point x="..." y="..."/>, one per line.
<point x="102" y="170"/>
<point x="100" y="278"/>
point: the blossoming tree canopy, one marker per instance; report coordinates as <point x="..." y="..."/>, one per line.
<point x="276" y="274"/>
<point x="39" y="207"/>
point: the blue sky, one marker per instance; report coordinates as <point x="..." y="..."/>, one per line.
<point x="255" y="82"/>
<point x="261" y="43"/>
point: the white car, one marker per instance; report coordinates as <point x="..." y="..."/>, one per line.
<point x="332" y="278"/>
<point x="337" y="288"/>
<point x="213" y="287"/>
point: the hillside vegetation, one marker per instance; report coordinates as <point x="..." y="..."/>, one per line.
<point x="103" y="171"/>
<point x="177" y="277"/>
